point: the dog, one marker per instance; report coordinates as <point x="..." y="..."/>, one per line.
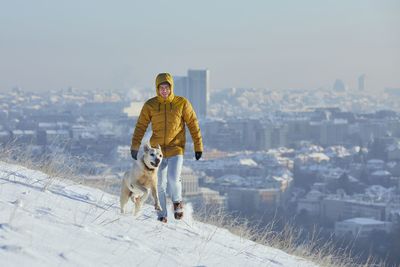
<point x="141" y="179"/>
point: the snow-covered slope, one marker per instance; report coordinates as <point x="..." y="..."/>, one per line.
<point x="48" y="222"/>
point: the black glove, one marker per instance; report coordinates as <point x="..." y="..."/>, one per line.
<point x="134" y="154"/>
<point x="198" y="154"/>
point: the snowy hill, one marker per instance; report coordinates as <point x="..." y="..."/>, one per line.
<point x="49" y="222"/>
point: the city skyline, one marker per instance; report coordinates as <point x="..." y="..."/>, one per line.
<point x="274" y="45"/>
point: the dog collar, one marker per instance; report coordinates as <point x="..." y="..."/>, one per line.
<point x="149" y="169"/>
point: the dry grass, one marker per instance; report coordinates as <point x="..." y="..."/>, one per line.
<point x="56" y="164"/>
<point x="290" y="239"/>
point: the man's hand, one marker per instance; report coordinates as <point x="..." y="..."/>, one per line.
<point x="198" y="154"/>
<point x="134" y="154"/>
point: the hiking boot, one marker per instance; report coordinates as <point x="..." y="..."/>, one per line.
<point x="163" y="219"/>
<point x="178" y="210"/>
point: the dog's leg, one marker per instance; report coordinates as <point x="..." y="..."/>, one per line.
<point x="139" y="202"/>
<point x="124" y="197"/>
<point x="154" y="192"/>
<point x="138" y="205"/>
<point x="145" y="196"/>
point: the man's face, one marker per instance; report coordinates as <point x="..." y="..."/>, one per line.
<point x="164" y="90"/>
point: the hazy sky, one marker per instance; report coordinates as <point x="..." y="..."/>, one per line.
<point x="270" y="44"/>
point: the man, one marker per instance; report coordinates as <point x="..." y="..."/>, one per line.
<point x="168" y="115"/>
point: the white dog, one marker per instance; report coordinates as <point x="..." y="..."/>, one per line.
<point x="142" y="178"/>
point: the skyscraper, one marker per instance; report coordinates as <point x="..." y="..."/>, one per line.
<point x="195" y="87"/>
<point x="361" y="83"/>
<point x="181" y="85"/>
<point x="199" y="90"/>
<point x="339" y="86"/>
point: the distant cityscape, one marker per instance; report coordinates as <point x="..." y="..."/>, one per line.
<point x="329" y="157"/>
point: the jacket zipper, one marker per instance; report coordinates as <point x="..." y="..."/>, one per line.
<point x="165" y="127"/>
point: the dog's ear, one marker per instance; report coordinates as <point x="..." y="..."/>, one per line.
<point x="159" y="147"/>
<point x="146" y="147"/>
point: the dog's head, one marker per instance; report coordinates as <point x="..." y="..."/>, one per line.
<point x="152" y="157"/>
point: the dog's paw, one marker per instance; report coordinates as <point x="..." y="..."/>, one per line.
<point x="158" y="207"/>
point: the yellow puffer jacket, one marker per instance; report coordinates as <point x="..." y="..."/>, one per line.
<point x="168" y="118"/>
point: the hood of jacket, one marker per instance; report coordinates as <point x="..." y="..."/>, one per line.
<point x="165" y="77"/>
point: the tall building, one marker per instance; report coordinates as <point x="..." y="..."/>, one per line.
<point x="181" y="85"/>
<point x="195" y="87"/>
<point x="361" y="83"/>
<point x="339" y="86"/>
<point x="198" y="90"/>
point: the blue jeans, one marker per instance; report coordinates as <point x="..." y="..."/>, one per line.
<point x="169" y="171"/>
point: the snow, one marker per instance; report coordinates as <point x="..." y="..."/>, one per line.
<point x="375" y="161"/>
<point x="231" y="178"/>
<point x="282" y="178"/>
<point x="4" y="134"/>
<point x="340" y="121"/>
<point x="379" y="192"/>
<point x="381" y="173"/>
<point x="87" y="135"/>
<point x="318" y="157"/>
<point x="248" y="162"/>
<point x="364" y="221"/>
<point x="53" y="222"/>
<point x="314" y="195"/>
<point x="314" y="157"/>
<point x="311" y="149"/>
<point x="353" y="179"/>
<point x="394" y="147"/>
<point x="337" y="151"/>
